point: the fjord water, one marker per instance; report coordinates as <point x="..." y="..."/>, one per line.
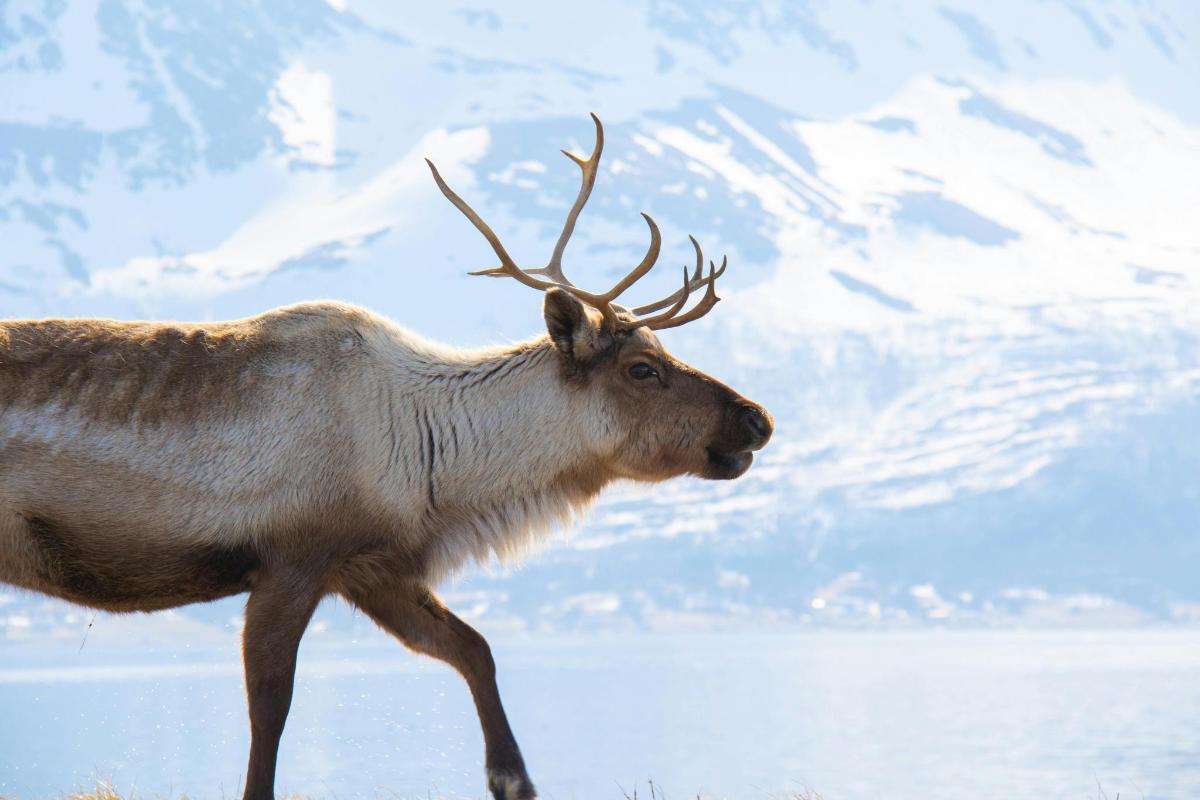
<point x="928" y="714"/>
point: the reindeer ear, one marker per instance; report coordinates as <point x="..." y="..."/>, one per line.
<point x="572" y="327"/>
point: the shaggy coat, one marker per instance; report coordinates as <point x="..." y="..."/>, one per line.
<point x="131" y="453"/>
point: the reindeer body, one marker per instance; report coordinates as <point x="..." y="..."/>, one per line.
<point x="322" y="449"/>
<point x="145" y="465"/>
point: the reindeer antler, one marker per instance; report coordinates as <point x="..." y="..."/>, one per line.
<point x="616" y="317"/>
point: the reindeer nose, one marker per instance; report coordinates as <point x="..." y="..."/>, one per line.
<point x="758" y="424"/>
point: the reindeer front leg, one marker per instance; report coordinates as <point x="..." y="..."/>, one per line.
<point x="418" y="619"/>
<point x="277" y="613"/>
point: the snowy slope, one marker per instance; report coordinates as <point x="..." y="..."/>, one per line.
<point x="964" y="242"/>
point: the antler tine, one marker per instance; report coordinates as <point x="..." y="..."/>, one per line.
<point x="507" y="265"/>
<point x="589" y="168"/>
<point x="698" y="280"/>
<point x="641" y="269"/>
<point x="705" y="305"/>
<point x="553" y="269"/>
<point x="650" y="322"/>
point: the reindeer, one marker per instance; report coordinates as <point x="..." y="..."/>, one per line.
<point x="321" y="449"/>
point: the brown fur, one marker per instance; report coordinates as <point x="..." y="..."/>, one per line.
<point x="276" y="616"/>
<point x="118" y="580"/>
<point x="132" y="373"/>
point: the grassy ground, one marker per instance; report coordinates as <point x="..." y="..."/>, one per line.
<point x="652" y="792"/>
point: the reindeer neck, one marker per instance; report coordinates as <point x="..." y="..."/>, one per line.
<point x="496" y="427"/>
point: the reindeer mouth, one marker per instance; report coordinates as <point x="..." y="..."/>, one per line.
<point x="727" y="466"/>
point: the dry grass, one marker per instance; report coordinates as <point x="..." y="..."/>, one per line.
<point x="100" y="793"/>
<point x="103" y="791"/>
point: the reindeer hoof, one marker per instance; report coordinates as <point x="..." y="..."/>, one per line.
<point x="510" y="785"/>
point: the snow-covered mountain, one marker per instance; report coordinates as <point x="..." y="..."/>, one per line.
<point x="964" y="243"/>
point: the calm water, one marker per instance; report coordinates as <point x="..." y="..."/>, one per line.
<point x="923" y="715"/>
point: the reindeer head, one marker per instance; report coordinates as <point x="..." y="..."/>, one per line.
<point x="659" y="417"/>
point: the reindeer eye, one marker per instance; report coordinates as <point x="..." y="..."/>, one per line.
<point x="640" y="372"/>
